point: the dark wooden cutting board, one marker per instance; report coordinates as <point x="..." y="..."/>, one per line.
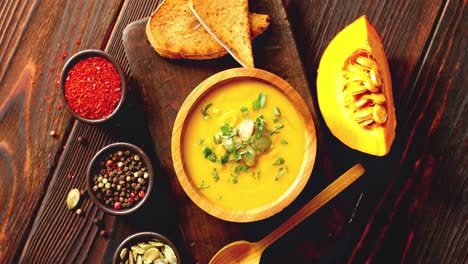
<point x="164" y="85"/>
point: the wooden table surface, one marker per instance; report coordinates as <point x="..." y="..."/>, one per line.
<point x="411" y="206"/>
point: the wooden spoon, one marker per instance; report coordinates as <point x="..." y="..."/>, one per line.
<point x="251" y="252"/>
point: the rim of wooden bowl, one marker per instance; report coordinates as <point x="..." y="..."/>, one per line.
<point x="92" y="169"/>
<point x="84" y="54"/>
<point x="310" y="148"/>
<point x="141" y="237"/>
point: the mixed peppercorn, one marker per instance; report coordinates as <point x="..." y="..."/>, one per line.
<point x="121" y="181"/>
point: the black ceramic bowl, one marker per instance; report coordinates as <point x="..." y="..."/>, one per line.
<point x="84" y="55"/>
<point x="143" y="237"/>
<point x="94" y="166"/>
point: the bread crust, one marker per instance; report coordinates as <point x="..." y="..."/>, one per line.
<point x="228" y="23"/>
<point x="173" y="32"/>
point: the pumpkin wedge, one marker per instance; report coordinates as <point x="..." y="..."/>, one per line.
<point x="354" y="89"/>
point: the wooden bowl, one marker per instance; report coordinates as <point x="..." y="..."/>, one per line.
<point x="84" y="54"/>
<point x="94" y="165"/>
<point x="212" y="83"/>
<point x="143" y="237"/>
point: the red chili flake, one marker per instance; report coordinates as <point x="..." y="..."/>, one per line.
<point x="93" y="88"/>
<point x="141" y="194"/>
<point x="78" y="42"/>
<point x="52" y="69"/>
<point x="117" y="205"/>
<point x="69" y="176"/>
<point x="64" y="55"/>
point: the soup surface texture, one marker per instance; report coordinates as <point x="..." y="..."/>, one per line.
<point x="218" y="143"/>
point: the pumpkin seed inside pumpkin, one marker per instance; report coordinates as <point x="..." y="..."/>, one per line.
<point x="362" y="88"/>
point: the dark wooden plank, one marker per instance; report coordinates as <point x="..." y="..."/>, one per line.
<point x="35" y="38"/>
<point x="429" y="153"/>
<point x="437" y="203"/>
<point x="165" y="84"/>
<point x="59" y="235"/>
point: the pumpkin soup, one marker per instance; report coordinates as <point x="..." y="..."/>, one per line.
<point x="244" y="144"/>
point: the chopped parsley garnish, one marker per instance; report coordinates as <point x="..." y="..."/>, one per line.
<point x="228" y="131"/>
<point x="203" y="185"/>
<point x="215" y="175"/>
<point x="279" y="126"/>
<point x="244" y="110"/>
<point x="256" y="174"/>
<point x="234" y="178"/>
<point x="280" y="173"/>
<point x="225" y="158"/>
<point x="217" y="139"/>
<point x="276" y="111"/>
<point x="244" y="168"/>
<point x="259" y="103"/>
<point x="283" y="142"/>
<point x="205" y="109"/>
<point x="276" y="130"/>
<point x="261" y="125"/>
<point x="209" y="154"/>
<point x="278" y="161"/>
<point x="200" y="141"/>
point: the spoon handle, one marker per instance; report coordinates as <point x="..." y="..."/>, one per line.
<point x="313" y="205"/>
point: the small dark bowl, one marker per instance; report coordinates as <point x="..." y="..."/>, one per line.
<point x="144" y="237"/>
<point x="94" y="166"/>
<point x="84" y="54"/>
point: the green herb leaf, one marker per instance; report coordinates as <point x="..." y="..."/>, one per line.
<point x="256" y="174"/>
<point x="213" y="157"/>
<point x="283" y="142"/>
<point x="278" y="161"/>
<point x="207" y="151"/>
<point x="276" y="120"/>
<point x="276" y="111"/>
<point x="226" y="129"/>
<point x="234" y="178"/>
<point x="217" y="139"/>
<point x="244" y="168"/>
<point x="225" y="158"/>
<point x="200" y="141"/>
<point x="277" y="128"/>
<point x="205" y="109"/>
<point x="244" y="110"/>
<point x="203" y="185"/>
<point x="259" y="103"/>
<point x="260" y="121"/>
<point x="280" y="173"/>
<point x="215" y="175"/>
<point x="236" y="154"/>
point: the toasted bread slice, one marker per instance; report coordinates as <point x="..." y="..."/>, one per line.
<point x="175" y="33"/>
<point x="228" y="23"/>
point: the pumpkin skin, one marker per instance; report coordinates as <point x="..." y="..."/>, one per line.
<point x="359" y="35"/>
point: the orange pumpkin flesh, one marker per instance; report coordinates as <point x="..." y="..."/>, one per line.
<point x="358" y="38"/>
